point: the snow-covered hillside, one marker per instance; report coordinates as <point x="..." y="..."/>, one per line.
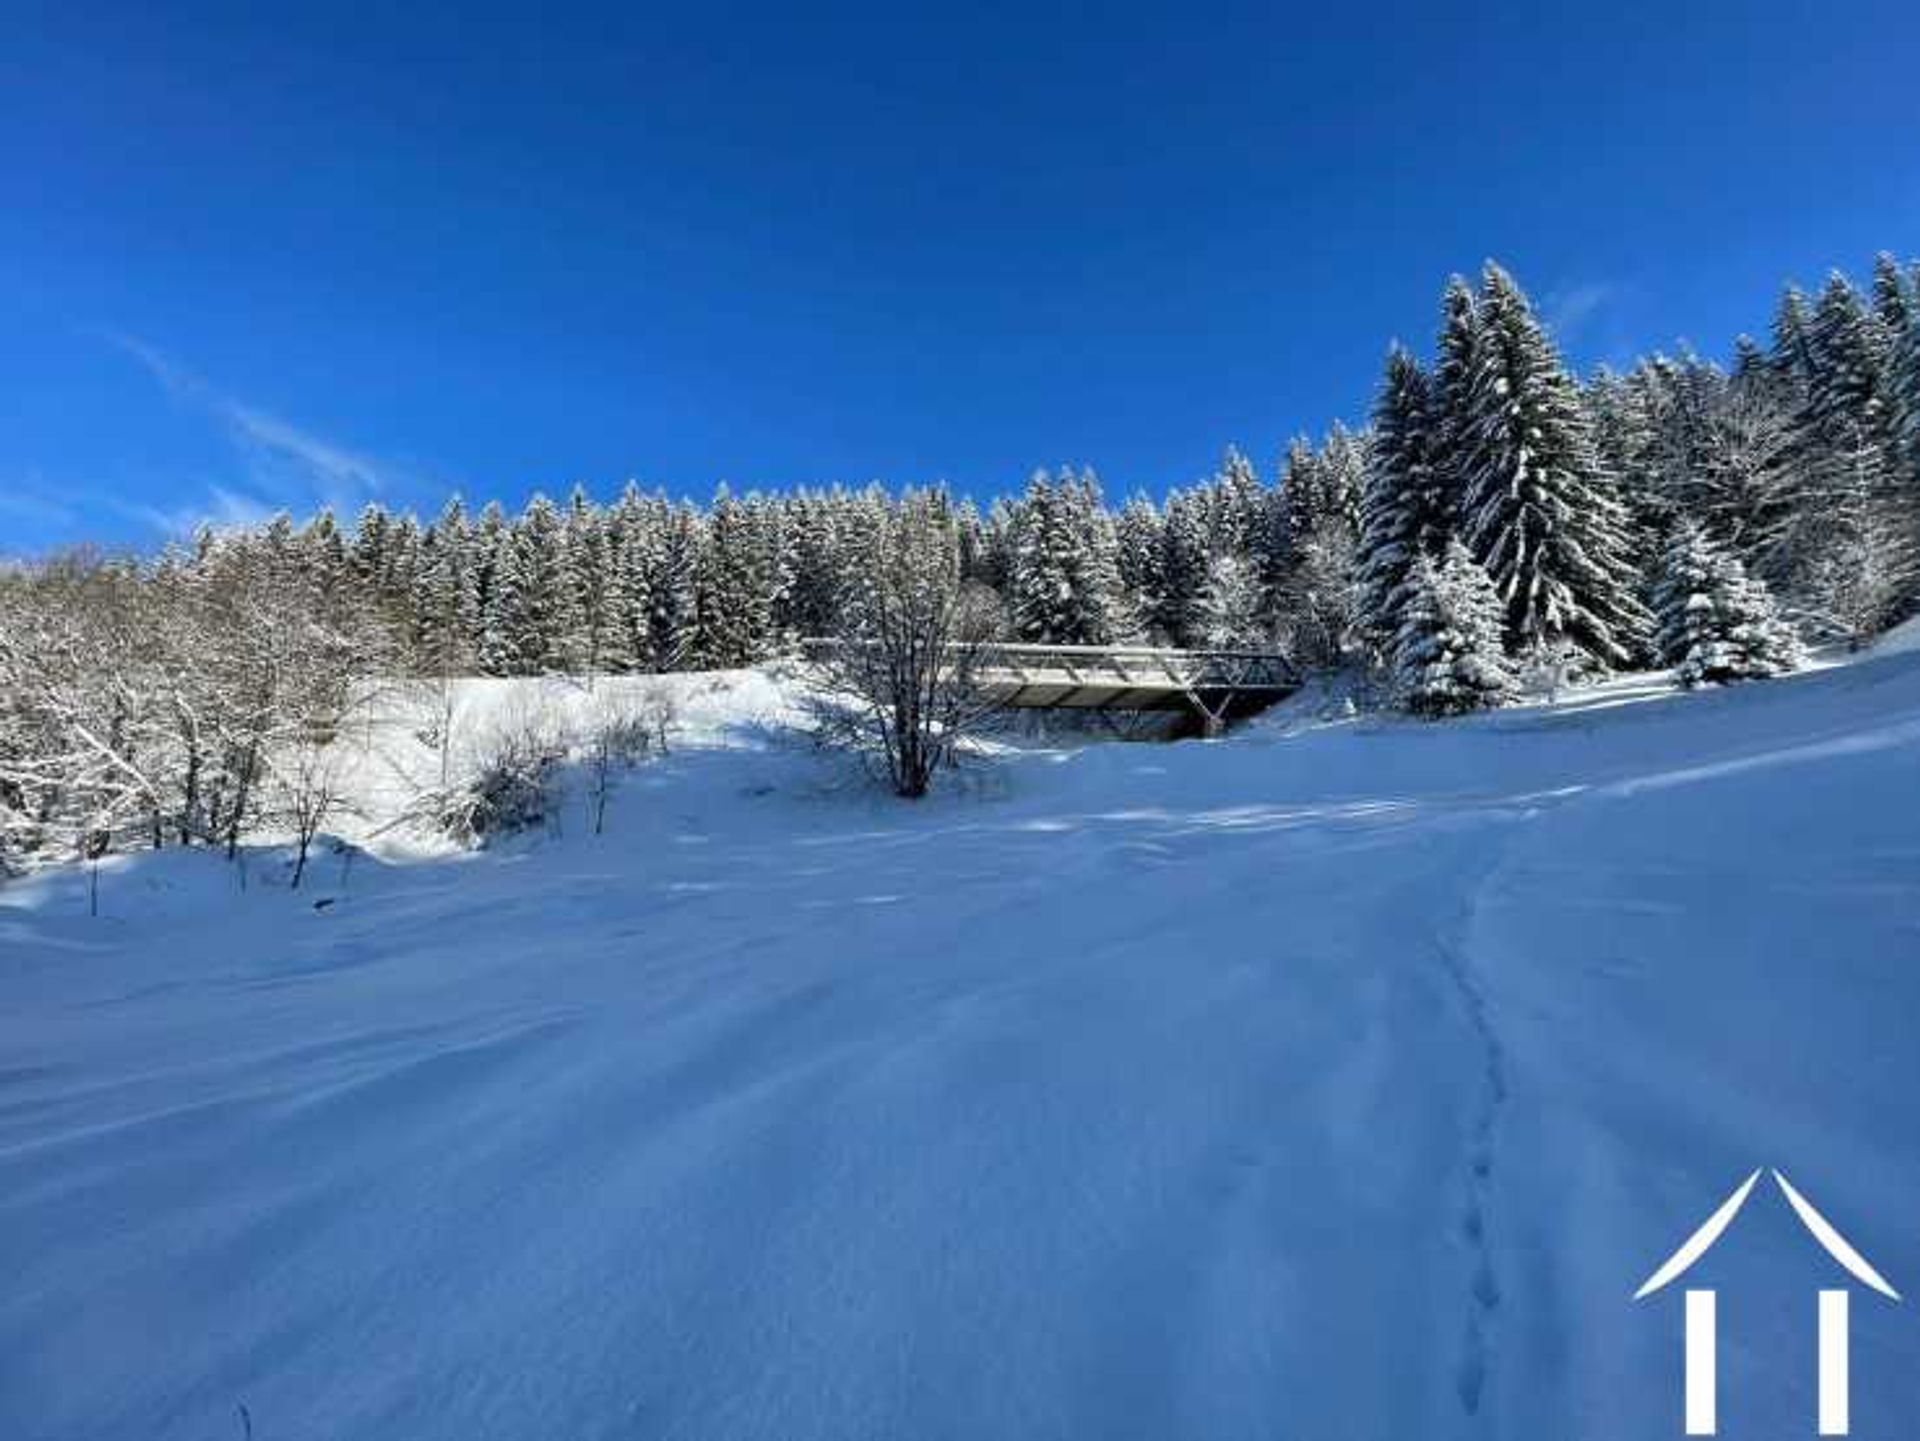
<point x="1337" y="1080"/>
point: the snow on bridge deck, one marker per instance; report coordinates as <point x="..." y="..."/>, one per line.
<point x="1098" y="677"/>
<point x="1214" y="683"/>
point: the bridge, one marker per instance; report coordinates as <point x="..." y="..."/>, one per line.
<point x="1212" y="685"/>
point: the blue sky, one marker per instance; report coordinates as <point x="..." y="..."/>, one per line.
<point x="260" y="256"/>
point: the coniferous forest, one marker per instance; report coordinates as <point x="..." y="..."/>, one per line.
<point x="1497" y="519"/>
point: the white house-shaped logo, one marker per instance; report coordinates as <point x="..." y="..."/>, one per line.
<point x="1701" y="1315"/>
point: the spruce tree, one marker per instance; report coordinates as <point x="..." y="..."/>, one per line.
<point x="499" y="603"/>
<point x="1448" y="658"/>
<point x="631" y="539"/>
<point x="1793" y="354"/>
<point x="1452" y="386"/>
<point x="1042" y="564"/>
<point x="325" y="553"/>
<point x="1138" y="557"/>
<point x="673" y="601"/>
<point x="1847" y="384"/>
<point x="539" y="622"/>
<point x="1298" y="502"/>
<point x="446" y="604"/>
<point x="1180" y="616"/>
<point x="1101" y="615"/>
<point x="1893" y="296"/>
<point x="1717" y="624"/>
<point x="1539" y="513"/>
<point x="1234" y="608"/>
<point x="586" y="559"/>
<point x="1406" y="509"/>
<point x="1237" y="506"/>
<point x="816" y="590"/>
<point x="735" y="588"/>
<point x="370" y="556"/>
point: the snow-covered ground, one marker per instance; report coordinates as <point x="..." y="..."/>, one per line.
<point x="1336" y="1080"/>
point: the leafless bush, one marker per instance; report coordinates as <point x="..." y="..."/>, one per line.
<point x="511" y="787"/>
<point x="626" y="731"/>
<point x="306" y="790"/>
<point x="900" y="683"/>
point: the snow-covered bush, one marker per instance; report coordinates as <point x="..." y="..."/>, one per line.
<point x="1717" y="623"/>
<point x="1447" y="656"/>
<point x="899" y="685"/>
<point x="626" y="731"/>
<point x="511" y="787"/>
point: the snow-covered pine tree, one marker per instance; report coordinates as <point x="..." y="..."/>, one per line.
<point x="1180" y="618"/>
<point x="998" y="541"/>
<point x="766" y="521"/>
<point x="1234" y="613"/>
<point x="370" y="554"/>
<point x="1448" y="657"/>
<point x="735" y="587"/>
<point x="1101" y="615"/>
<point x="541" y="620"/>
<point x="499" y="601"/>
<point x="1792" y="354"/>
<point x="1237" y="506"/>
<point x="631" y="540"/>
<point x="1852" y="552"/>
<point x="1847" y="385"/>
<point x="324" y="553"/>
<point x="445" y="606"/>
<point x="1406" y="510"/>
<point x="1065" y="572"/>
<point x="1312" y="583"/>
<point x="1137" y="556"/>
<point x="1717" y="623"/>
<point x="969" y="531"/>
<point x="1897" y="303"/>
<point x="1539" y="512"/>
<point x="1893" y="297"/>
<point x="817" y="585"/>
<point x="1623" y="410"/>
<point x="586" y="563"/>
<point x="1457" y="360"/>
<point x="1749" y="486"/>
<point x="403" y="567"/>
<point x="1343" y="477"/>
<point x="1903" y="381"/>
<point x="1296" y="509"/>
<point x="673" y="598"/>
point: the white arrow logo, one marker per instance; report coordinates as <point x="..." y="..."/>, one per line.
<point x="1701" y="1332"/>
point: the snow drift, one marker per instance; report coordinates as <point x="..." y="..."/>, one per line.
<point x="1341" y="1079"/>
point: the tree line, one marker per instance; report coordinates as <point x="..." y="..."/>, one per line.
<point x="1497" y="517"/>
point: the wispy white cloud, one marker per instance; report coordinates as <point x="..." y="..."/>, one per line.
<point x="29" y="498"/>
<point x="1570" y="309"/>
<point x="219" y="507"/>
<point x="283" y="465"/>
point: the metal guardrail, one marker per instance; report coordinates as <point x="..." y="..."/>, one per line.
<point x="1025" y="675"/>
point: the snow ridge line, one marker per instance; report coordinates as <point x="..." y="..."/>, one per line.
<point x="1483" y="1297"/>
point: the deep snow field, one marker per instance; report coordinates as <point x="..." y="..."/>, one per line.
<point x="1340" y="1079"/>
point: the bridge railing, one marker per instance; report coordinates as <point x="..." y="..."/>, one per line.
<point x="1131" y="665"/>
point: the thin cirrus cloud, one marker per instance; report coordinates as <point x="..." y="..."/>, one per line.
<point x="219" y="507"/>
<point x="1590" y="319"/>
<point x="1571" y="309"/>
<point x="282" y="464"/>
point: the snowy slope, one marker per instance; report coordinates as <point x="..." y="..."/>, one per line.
<point x="1333" y="1081"/>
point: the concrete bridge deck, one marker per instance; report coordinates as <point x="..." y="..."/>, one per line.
<point x="1213" y="684"/>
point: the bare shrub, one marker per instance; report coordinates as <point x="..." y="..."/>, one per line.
<point x="306" y="789"/>
<point x="627" y="731"/>
<point x="511" y="787"/>
<point x="900" y="681"/>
